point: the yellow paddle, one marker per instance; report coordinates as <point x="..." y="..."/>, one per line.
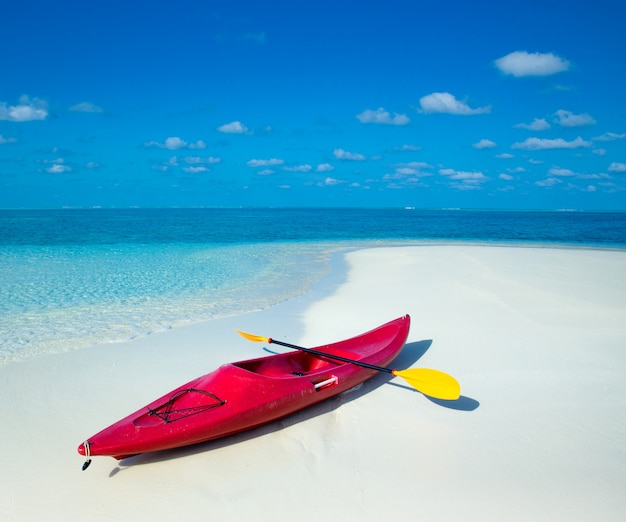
<point x="433" y="383"/>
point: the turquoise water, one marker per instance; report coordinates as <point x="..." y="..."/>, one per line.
<point x="74" y="278"/>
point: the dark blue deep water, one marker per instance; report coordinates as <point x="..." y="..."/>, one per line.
<point x="227" y="226"/>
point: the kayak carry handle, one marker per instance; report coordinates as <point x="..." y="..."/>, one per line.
<point x="325" y="384"/>
<point x="87" y="454"/>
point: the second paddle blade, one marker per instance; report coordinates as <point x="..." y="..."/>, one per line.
<point x="253" y="338"/>
<point x="433" y="383"/>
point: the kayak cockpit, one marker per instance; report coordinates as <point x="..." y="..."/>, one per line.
<point x="291" y="364"/>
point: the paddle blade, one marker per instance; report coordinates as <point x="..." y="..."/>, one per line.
<point x="433" y="383"/>
<point x="253" y="338"/>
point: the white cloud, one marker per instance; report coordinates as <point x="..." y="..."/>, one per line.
<point x="406" y="176"/>
<point x="4" y="140"/>
<point x="265" y="163"/>
<point x="464" y="180"/>
<point x="569" y="119"/>
<point x="505" y="155"/>
<point x="599" y="152"/>
<point x="298" y="168"/>
<point x="522" y="63"/>
<point x="617" y="167"/>
<point x="463" y="175"/>
<point x="536" y="125"/>
<point x="175" y="143"/>
<point x="545" y="144"/>
<point x="506" y="177"/>
<point x="444" y="102"/>
<point x="345" y="155"/>
<point x="407" y="171"/>
<point x="86" y="107"/>
<point x="407" y="147"/>
<point x="484" y="144"/>
<point x="197" y="160"/>
<point x="549" y="182"/>
<point x="195" y="169"/>
<point x="234" y="127"/>
<point x="592" y="176"/>
<point x="329" y="182"/>
<point x="413" y="169"/>
<point x="610" y="136"/>
<point x="324" y="167"/>
<point x="558" y="171"/>
<point x="418" y="165"/>
<point x="380" y="115"/>
<point x="58" y="168"/>
<point x="26" y="110"/>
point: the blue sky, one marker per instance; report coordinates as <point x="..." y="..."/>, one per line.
<point x="327" y="103"/>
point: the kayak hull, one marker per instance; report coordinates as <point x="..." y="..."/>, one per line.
<point x="243" y="395"/>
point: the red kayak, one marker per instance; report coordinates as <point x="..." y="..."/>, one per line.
<point x="242" y="395"/>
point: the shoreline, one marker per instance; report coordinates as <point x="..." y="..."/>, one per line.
<point x="535" y="337"/>
<point x="329" y="250"/>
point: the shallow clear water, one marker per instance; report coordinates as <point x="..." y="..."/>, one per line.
<point x="73" y="278"/>
<point x="60" y="298"/>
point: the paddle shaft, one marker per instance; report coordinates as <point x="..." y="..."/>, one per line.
<point x="336" y="357"/>
<point x="429" y="382"/>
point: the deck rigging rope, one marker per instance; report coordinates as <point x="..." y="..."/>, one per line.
<point x="167" y="413"/>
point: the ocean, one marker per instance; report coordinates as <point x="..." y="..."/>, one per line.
<point x="74" y="278"/>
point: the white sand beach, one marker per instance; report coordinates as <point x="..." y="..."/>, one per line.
<point x="535" y="336"/>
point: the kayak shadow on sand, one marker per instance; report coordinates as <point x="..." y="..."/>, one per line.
<point x="410" y="354"/>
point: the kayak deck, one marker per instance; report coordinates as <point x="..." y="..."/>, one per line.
<point x="242" y="395"/>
